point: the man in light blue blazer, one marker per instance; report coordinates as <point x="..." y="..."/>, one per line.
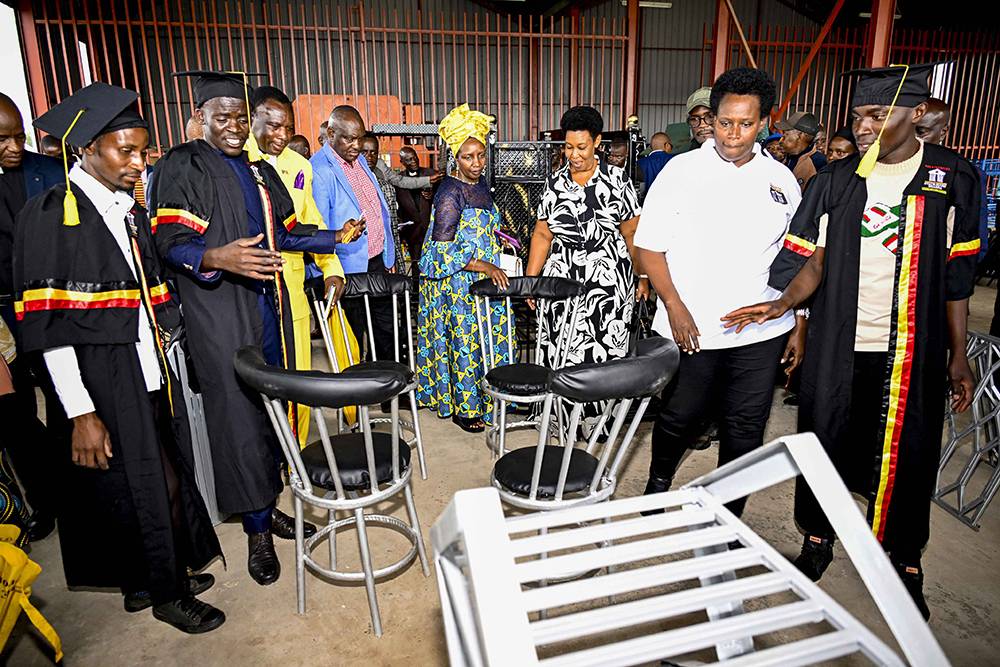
<point x="345" y="189"/>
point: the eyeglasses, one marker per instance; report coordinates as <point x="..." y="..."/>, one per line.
<point x="695" y="121"/>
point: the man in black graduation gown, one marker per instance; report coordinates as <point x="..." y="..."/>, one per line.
<point x="220" y="222"/>
<point x="30" y="443"/>
<point x="91" y="296"/>
<point x="886" y="251"/>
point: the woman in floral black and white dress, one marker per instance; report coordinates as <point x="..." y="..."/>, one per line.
<point x="587" y="218"/>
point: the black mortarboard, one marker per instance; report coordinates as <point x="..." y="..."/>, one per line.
<point x="208" y="85"/>
<point x="84" y="116"/>
<point x="879" y="85"/>
<point x="102" y="108"/>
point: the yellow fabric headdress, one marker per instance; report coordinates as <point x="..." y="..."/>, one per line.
<point x="463" y="123"/>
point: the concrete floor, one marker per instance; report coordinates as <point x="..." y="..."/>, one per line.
<point x="963" y="585"/>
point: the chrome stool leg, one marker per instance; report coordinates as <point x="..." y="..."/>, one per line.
<point x="416" y="434"/>
<point x="411" y="510"/>
<point x="300" y="555"/>
<point x="332" y="539"/>
<point x="366" y="564"/>
<point x="502" y="447"/>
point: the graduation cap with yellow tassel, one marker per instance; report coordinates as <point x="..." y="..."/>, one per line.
<point x="209" y="84"/>
<point x="83" y="117"/>
<point x="892" y="86"/>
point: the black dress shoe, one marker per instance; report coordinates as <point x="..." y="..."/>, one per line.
<point x="190" y="615"/>
<point x="262" y="562"/>
<point x="283" y="526"/>
<point x="815" y="557"/>
<point x="656" y="485"/>
<point x="913" y="578"/>
<point x="196" y="585"/>
<point x="40" y="525"/>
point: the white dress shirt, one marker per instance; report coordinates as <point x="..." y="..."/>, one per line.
<point x="720" y="226"/>
<point x="61" y="361"/>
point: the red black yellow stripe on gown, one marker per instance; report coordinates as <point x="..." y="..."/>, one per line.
<point x="53" y="294"/>
<point x="178" y="216"/>
<point x="901" y="350"/>
<point x="799" y="245"/>
<point x="272" y="243"/>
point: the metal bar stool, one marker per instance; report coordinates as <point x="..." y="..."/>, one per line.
<point x="546" y="476"/>
<point x="348" y="472"/>
<point x="524" y="383"/>
<point x="369" y="286"/>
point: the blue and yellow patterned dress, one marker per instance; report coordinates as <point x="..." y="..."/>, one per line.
<point x="449" y="362"/>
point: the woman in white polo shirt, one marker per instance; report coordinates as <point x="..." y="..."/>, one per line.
<point x="712" y="223"/>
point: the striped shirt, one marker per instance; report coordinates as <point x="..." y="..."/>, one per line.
<point x="366" y="191"/>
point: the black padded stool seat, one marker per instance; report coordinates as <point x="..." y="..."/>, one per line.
<point x="520" y="379"/>
<point x="349" y="450"/>
<point x="382" y="365"/>
<point x="513" y="471"/>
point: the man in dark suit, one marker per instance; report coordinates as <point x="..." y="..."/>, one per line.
<point x="414" y="205"/>
<point x="25" y="438"/>
<point x="651" y="164"/>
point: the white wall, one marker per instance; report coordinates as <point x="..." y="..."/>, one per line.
<point x="13" y="75"/>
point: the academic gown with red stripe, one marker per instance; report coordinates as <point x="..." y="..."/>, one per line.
<point x="196" y="195"/>
<point x="73" y="287"/>
<point x="931" y="269"/>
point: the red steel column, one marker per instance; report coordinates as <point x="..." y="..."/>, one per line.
<point x="813" y="50"/>
<point x="632" y="62"/>
<point x="880" y="33"/>
<point x="720" y="43"/>
<point x="33" y="59"/>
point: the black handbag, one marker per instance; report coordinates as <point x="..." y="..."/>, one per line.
<point x="642" y="327"/>
<point x="642" y="323"/>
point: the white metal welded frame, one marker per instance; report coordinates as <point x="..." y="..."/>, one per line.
<point x="505" y="589"/>
<point x="981" y="434"/>
<point x="496" y="433"/>
<point x="344" y="500"/>
<point x="323" y="311"/>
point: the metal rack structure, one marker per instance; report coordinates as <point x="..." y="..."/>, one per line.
<point x="603" y="585"/>
<point x="958" y="493"/>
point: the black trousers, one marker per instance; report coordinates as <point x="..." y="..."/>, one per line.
<point x="858" y="457"/>
<point x="735" y="383"/>
<point x="382" y="322"/>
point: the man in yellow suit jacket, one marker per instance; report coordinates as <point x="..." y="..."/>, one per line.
<point x="272" y="125"/>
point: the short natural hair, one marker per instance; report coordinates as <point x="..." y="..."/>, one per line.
<point x="344" y="112"/>
<point x="582" y="118"/>
<point x="49" y="141"/>
<point x="745" y="81"/>
<point x="264" y="93"/>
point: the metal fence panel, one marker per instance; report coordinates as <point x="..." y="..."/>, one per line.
<point x="429" y="57"/>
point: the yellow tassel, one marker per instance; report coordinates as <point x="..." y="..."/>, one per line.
<point x="71" y="215"/>
<point x="867" y="163"/>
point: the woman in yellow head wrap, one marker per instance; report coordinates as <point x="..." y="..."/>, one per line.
<point x="460" y="248"/>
